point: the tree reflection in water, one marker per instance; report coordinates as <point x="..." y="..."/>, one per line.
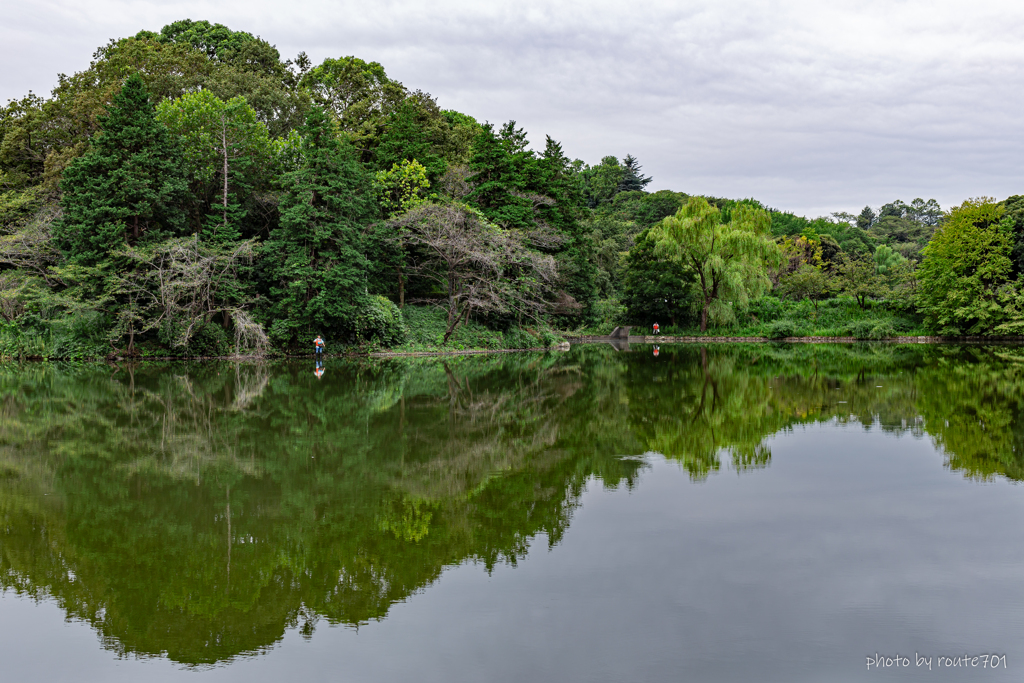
<point x="198" y="511"/>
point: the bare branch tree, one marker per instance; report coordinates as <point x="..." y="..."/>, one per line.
<point x="479" y="266"/>
<point x="30" y="247"/>
<point x="182" y="281"/>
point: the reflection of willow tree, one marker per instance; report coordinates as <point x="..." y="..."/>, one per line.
<point x="710" y="407"/>
<point x="199" y="511"/>
<point x="694" y="405"/>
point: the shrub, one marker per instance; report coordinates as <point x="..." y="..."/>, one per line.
<point x="380" y="322"/>
<point x="872" y="328"/>
<point x="883" y="330"/>
<point x="766" y="309"/>
<point x="781" y="329"/>
<point x="518" y="338"/>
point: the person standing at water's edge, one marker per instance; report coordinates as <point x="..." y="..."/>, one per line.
<point x="318" y="346"/>
<point x="657" y="330"/>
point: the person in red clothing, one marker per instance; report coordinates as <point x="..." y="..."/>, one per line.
<point x="657" y="330"/>
<point x="656" y="351"/>
<point x="318" y="346"/>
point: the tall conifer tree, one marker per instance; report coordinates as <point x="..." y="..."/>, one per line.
<point x="316" y="259"/>
<point x="127" y="187"/>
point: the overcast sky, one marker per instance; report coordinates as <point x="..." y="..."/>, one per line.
<point x="811" y="107"/>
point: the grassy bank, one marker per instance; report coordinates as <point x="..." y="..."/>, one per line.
<point x="424" y="328"/>
<point x="776" y="319"/>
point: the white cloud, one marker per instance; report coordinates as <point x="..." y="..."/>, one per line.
<point x="808" y="106"/>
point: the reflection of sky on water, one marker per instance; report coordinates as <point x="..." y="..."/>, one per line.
<point x="853" y="541"/>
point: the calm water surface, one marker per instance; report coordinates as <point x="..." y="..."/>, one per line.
<point x="728" y="513"/>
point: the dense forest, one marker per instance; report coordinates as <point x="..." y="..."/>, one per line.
<point x="191" y="193"/>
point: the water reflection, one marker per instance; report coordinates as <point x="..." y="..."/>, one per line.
<point x="199" y="511"/>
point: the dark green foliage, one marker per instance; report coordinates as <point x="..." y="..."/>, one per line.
<point x="221" y="44"/>
<point x="632" y="179"/>
<point x="516" y="189"/>
<point x="657" y="290"/>
<point x="1014" y="213"/>
<point x="780" y="329"/>
<point x="299" y="195"/>
<point x="907" y="228"/>
<point x="847" y="237"/>
<point x="128" y="186"/>
<point x="315" y="258"/>
<point x="426" y="326"/>
<point x="380" y="322"/>
<point x="502" y="169"/>
<point x="866" y="218"/>
<point x="416" y="130"/>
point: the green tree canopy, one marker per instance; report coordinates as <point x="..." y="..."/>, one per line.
<point x="729" y="259"/>
<point x="227" y="151"/>
<point x="315" y="257"/>
<point x="359" y="94"/>
<point x="965" y="266"/>
<point x="127" y="187"/>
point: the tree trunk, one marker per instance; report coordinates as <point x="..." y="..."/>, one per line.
<point x="135" y="232"/>
<point x="704" y="316"/>
<point x="401" y="290"/>
<point x="454" y="324"/>
<point x="224" y="147"/>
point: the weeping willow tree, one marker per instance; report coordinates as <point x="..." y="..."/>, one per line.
<point x="730" y="258"/>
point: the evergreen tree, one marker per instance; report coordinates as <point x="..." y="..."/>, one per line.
<point x="127" y="187"/>
<point x="633" y="179"/>
<point x="315" y="257"/>
<point x="500" y="165"/>
<point x="866" y="218"/>
<point x="413" y="132"/>
<point x="575" y="257"/>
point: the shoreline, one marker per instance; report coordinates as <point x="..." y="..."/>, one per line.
<point x="587" y="339"/>
<point x="667" y="339"/>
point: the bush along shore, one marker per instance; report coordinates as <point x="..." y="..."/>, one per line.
<point x="192" y="193"/>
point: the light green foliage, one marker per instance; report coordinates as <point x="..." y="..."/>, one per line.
<point x="226" y="150"/>
<point x="458" y="143"/>
<point x="359" y="94"/>
<point x="402" y="187"/>
<point x="859" y="278"/>
<point x="602" y="181"/>
<point x="729" y="259"/>
<point x="886" y="259"/>
<point x="965" y="267"/>
<point x="807" y="282"/>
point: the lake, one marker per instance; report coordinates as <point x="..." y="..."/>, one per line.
<point x="754" y="512"/>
